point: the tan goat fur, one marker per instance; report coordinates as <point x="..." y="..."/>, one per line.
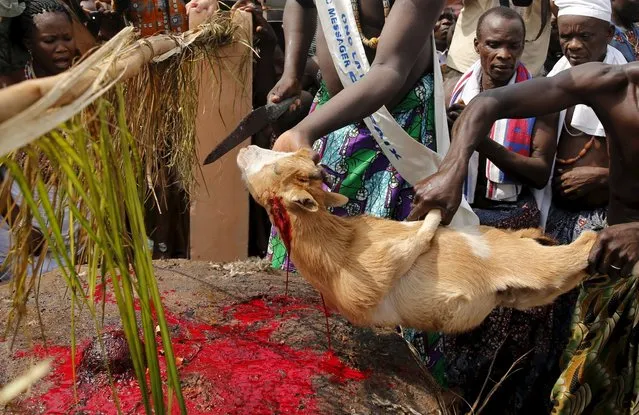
<point x="379" y="272"/>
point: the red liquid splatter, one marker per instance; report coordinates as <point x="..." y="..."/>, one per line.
<point x="103" y="293"/>
<point x="282" y="221"/>
<point x="227" y="369"/>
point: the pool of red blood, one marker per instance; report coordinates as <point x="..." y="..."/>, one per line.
<point x="228" y="368"/>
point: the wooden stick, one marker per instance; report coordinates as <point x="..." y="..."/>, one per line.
<point x="19" y="97"/>
<point x="34" y="107"/>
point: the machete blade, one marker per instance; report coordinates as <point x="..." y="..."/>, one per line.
<point x="253" y="123"/>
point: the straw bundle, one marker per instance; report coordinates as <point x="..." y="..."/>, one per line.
<point x="83" y="150"/>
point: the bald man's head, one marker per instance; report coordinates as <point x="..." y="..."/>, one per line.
<point x="499" y="42"/>
<point x="500" y="13"/>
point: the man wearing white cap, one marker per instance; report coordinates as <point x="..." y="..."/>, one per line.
<point x="576" y="199"/>
<point x="579" y="190"/>
<point x="600" y="365"/>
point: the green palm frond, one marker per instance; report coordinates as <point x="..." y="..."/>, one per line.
<point x="83" y="173"/>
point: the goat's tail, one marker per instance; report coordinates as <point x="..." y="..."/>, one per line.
<point x="429" y="226"/>
<point x="538" y="235"/>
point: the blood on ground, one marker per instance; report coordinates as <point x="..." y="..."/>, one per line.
<point x="234" y="367"/>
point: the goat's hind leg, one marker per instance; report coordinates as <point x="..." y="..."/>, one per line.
<point x="562" y="271"/>
<point x="425" y="234"/>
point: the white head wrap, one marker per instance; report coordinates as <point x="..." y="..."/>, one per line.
<point x="599" y="9"/>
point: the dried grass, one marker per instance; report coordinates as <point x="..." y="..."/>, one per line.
<point x="86" y="148"/>
<point x="250" y="266"/>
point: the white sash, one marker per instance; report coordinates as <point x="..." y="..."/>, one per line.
<point x="411" y="159"/>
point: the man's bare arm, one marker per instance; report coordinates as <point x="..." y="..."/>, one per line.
<point x="299" y="25"/>
<point x="533" y="98"/>
<point x="409" y="25"/>
<point x="533" y="170"/>
<point x="584" y="84"/>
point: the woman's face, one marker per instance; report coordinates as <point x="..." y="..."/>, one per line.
<point x="51" y="42"/>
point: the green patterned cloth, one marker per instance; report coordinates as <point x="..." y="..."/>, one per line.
<point x="357" y="168"/>
<point x="599" y="365"/>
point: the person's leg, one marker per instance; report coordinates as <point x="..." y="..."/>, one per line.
<point x="259" y="229"/>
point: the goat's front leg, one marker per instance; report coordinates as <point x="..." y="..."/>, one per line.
<point x="412" y="248"/>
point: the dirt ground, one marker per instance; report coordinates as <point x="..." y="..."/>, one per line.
<point x="245" y="348"/>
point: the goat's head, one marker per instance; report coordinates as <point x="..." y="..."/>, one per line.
<point x="293" y="178"/>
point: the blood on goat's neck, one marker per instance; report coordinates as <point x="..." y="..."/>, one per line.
<point x="282" y="221"/>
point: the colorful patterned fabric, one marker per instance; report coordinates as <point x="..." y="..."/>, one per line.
<point x="627" y="42"/>
<point x="462" y="362"/>
<point x="357" y="168"/>
<point x="159" y="16"/>
<point x="566" y="226"/>
<point x="513" y="134"/>
<point x="599" y="365"/>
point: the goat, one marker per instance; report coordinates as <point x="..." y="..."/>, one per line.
<point x="380" y="272"/>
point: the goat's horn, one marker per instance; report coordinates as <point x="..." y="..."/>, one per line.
<point x="276" y="168"/>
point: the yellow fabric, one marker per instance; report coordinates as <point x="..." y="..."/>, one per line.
<point x="462" y="55"/>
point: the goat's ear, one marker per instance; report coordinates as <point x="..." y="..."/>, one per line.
<point x="303" y="199"/>
<point x="309" y="153"/>
<point x="333" y="199"/>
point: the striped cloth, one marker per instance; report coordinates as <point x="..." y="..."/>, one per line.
<point x="514" y="134"/>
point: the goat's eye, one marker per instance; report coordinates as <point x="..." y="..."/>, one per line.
<point x="316" y="175"/>
<point x="303" y="179"/>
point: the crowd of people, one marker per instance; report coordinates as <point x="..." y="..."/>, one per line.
<point x="544" y="161"/>
<point x="539" y="97"/>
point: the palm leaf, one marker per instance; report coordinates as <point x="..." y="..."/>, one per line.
<point x="85" y="156"/>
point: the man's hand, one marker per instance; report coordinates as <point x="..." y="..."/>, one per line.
<point x="454" y="112"/>
<point x="265" y="36"/>
<point x="199" y="6"/>
<point x="286" y="87"/>
<point x="199" y="10"/>
<point x="442" y="190"/>
<point x="616" y="250"/>
<point x="291" y="141"/>
<point x="580" y="181"/>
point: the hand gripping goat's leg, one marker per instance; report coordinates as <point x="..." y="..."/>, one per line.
<point x="412" y="248"/>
